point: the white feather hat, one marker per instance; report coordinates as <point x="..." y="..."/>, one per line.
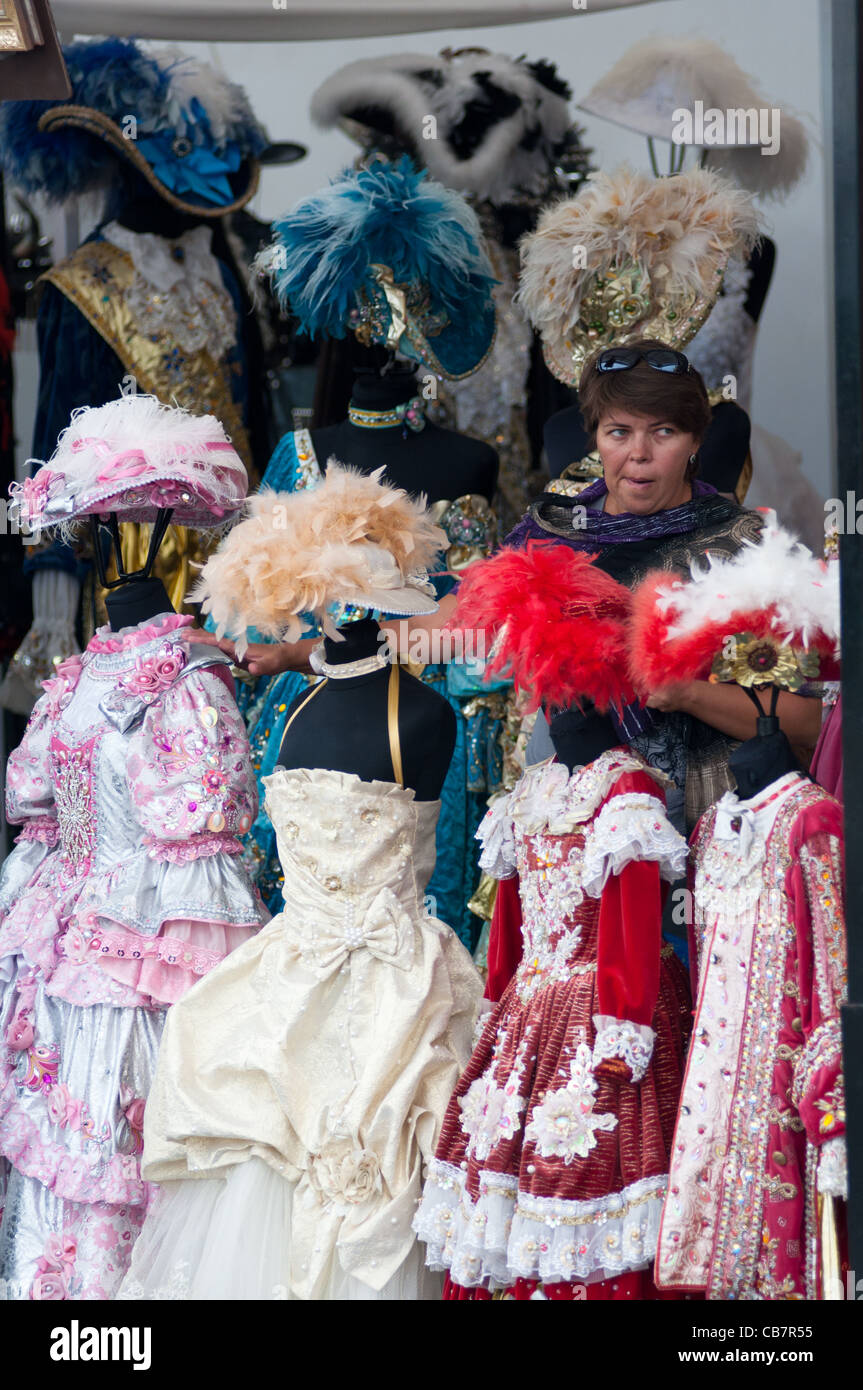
<point x="134" y="456"/>
<point x="660" y="76"/>
<point x="767" y="615"/>
<point x="631" y="256"/>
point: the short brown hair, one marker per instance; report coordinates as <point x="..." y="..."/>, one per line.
<point x="681" y="399"/>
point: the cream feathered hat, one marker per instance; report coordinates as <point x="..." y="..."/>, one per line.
<point x="659" y="77"/>
<point x="631" y="256"/>
<point x="352" y="539"/>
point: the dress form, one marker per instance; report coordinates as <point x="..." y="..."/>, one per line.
<point x="136" y="602"/>
<point x="343" y="726"/>
<point x="578" y="738"/>
<point x="762" y="760"/>
<point x="437" y="462"/>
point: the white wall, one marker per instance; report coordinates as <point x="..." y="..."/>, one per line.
<point x="778" y="42"/>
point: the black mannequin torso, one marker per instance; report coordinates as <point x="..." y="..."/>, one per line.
<point x="438" y="462"/>
<point x="761" y="761"/>
<point x="579" y="738"/>
<point x="344" y="726"/>
<point x="136" y="602"/>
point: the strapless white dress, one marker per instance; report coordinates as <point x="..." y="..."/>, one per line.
<point x="302" y="1084"/>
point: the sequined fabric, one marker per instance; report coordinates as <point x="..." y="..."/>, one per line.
<point x="548" y="1167"/>
<point x="763" y="1095"/>
<point x="134" y="758"/>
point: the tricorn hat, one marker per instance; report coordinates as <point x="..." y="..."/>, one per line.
<point x="181" y="124"/>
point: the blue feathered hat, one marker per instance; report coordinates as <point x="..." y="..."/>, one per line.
<point x="387" y="253"/>
<point x="189" y="131"/>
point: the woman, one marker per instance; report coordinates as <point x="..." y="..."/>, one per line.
<point x="648" y="409"/>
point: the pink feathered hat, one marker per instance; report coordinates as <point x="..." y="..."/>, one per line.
<point x="134" y="456"/>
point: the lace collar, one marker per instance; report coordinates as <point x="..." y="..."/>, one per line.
<point x="548" y="798"/>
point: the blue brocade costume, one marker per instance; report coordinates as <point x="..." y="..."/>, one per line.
<point x="476" y="767"/>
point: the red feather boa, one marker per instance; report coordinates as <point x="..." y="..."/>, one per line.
<point x="555" y="624"/>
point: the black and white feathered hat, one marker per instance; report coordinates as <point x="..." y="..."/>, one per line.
<point x="492" y="127"/>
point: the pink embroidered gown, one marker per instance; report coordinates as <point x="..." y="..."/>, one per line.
<point x="552" y="1161"/>
<point x="762" y="1115"/>
<point x="125" y="886"/>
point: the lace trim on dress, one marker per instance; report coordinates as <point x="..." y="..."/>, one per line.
<point x="549" y="798"/>
<point x="115" y="1182"/>
<point x="43" y="828"/>
<point x="619" y="1037"/>
<point x="631" y="828"/>
<point x="187" y="851"/>
<point x="495" y="834"/>
<point x="506" y="1234"/>
<point x="832" y="1178"/>
<point x="104" y="640"/>
<point x="123" y="945"/>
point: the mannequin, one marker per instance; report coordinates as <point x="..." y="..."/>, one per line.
<point x="579" y="738"/>
<point x="762" y="760"/>
<point x="346" y="722"/>
<point x="435" y="461"/>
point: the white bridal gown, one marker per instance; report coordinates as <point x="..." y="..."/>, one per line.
<point x="302" y="1084"/>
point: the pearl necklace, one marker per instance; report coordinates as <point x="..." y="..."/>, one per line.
<point x="342" y="670"/>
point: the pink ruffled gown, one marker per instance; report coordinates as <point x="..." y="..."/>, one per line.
<point x="132" y="781"/>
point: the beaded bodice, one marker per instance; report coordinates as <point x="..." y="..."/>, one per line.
<point x="559" y="923"/>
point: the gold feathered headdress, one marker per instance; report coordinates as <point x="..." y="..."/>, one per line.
<point x="631" y="256"/>
<point x="352" y="539"/>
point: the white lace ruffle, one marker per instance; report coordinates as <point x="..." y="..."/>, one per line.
<point x="495" y="834"/>
<point x="618" y="1037"/>
<point x="833" y="1168"/>
<point x="629" y="829"/>
<point x="506" y="1234"/>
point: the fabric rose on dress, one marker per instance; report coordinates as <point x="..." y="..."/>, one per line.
<point x="346" y="1173"/>
<point x="49" y="1286"/>
<point x="154" y="673"/>
<point x="564" y="1125"/>
<point x="58" y="1101"/>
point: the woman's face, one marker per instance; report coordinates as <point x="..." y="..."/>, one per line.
<point x="644" y="461"/>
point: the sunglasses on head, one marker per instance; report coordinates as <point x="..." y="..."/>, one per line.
<point x="660" y="359"/>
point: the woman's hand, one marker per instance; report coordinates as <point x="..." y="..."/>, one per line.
<point x="674" y="697"/>
<point x="264" y="658"/>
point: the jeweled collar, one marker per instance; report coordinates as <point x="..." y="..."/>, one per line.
<point x="104" y="640"/>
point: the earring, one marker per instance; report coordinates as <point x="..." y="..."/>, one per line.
<point x="692" y="459"/>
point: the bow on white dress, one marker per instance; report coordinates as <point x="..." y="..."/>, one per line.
<point x="384" y="929"/>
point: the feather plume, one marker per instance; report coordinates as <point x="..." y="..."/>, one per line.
<point x="557" y="624"/>
<point x="298" y="553"/>
<point x="134" y="455"/>
<point x="775" y="587"/>
<point x="388" y="214"/>
<point x="166" y="90"/>
<point x="680" y="231"/>
<point x="660" y="75"/>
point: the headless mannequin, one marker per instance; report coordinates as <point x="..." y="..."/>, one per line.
<point x="344" y="727"/>
<point x="762" y="760"/>
<point x="579" y="738"/>
<point x="136" y="602"/>
<point x="440" y="463"/>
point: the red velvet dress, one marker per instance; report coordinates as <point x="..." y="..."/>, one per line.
<point x="553" y="1159"/>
